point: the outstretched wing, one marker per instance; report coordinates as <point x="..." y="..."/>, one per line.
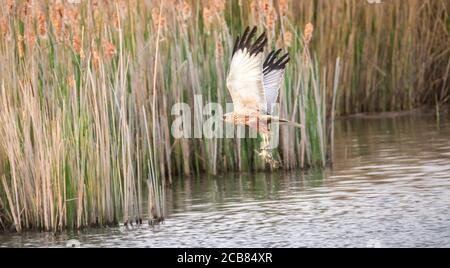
<point x="273" y="71"/>
<point x="244" y="80"/>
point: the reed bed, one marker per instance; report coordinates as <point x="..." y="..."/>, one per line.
<point x="86" y="91"/>
<point x="395" y="55"/>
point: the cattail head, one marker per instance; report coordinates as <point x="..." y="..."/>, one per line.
<point x="71" y="81"/>
<point x="109" y="49"/>
<point x="25" y="11"/>
<point x="96" y="11"/>
<point x="283" y="4"/>
<point x="219" y="6"/>
<point x="30" y="39"/>
<point x="116" y="21"/>
<point x="254" y="10"/>
<point x="78" y="45"/>
<point x="287" y="38"/>
<point x="56" y="16"/>
<point x="119" y="12"/>
<point x="219" y="48"/>
<point x="207" y="18"/>
<point x="270" y="15"/>
<point x="58" y="8"/>
<point x="185" y="10"/>
<point x="97" y="15"/>
<point x="307" y="34"/>
<point x="158" y="19"/>
<point x="42" y="25"/>
<point x="271" y="19"/>
<point x="95" y="58"/>
<point x="66" y="37"/>
<point x="72" y="16"/>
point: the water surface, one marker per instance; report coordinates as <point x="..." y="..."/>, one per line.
<point x="389" y="186"/>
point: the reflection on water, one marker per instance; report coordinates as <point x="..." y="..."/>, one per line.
<point x="389" y="186"/>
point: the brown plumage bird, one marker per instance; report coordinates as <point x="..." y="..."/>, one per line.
<point x="254" y="84"/>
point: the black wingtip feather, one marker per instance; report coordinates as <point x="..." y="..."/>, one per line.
<point x="259" y="44"/>
<point x="272" y="61"/>
<point x="268" y="57"/>
<point x="243" y="38"/>
<point x="246" y="42"/>
<point x="235" y="48"/>
<point x="249" y="37"/>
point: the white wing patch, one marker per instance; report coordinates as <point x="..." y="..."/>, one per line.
<point x="245" y="81"/>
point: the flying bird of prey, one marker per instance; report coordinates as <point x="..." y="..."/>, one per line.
<point x="254" y="84"/>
